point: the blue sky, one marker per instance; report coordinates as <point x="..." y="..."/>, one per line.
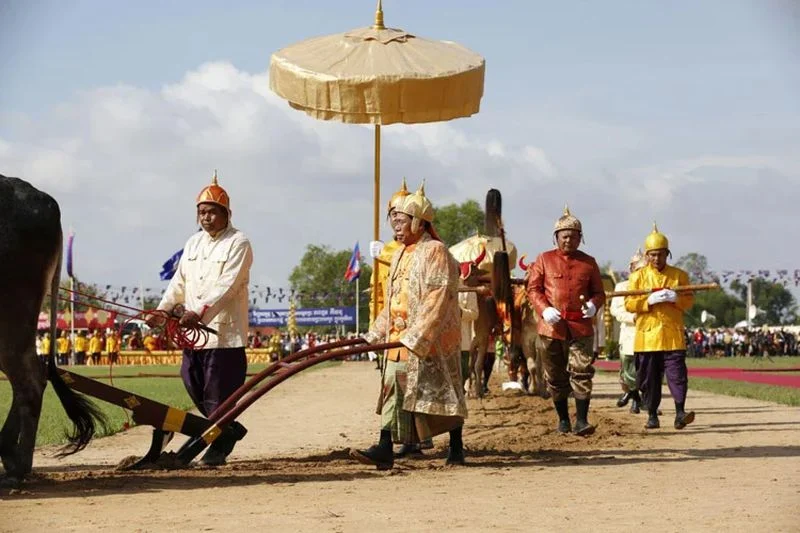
<point x="687" y="112"/>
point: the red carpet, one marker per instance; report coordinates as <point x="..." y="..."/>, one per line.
<point x="733" y="374"/>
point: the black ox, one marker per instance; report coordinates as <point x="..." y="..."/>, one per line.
<point x="30" y="267"/>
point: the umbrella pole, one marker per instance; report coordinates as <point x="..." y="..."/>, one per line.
<point x="376" y="216"/>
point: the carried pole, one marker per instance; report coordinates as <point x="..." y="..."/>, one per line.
<point x="679" y="288"/>
<point x="375" y="216"/>
<point x="357" y="306"/>
<point x="749" y="303"/>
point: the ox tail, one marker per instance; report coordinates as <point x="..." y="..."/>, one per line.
<point x="85" y="416"/>
<point x="494" y="213"/>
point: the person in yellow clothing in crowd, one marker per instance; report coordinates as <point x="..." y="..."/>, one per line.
<point x="45" y="349"/>
<point x="660" y="345"/>
<point x="62" y="348"/>
<point x="81" y="347"/>
<point x="112" y="347"/>
<point x="149" y="342"/>
<point x="95" y="347"/>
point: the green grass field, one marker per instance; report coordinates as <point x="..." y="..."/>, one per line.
<point x="54" y="423"/>
<point x="755" y="391"/>
<point x="754" y="363"/>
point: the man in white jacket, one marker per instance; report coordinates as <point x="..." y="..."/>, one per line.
<point x="627" y="334"/>
<point x="211" y="283"/>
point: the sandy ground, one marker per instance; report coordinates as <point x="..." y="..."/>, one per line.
<point x="737" y="466"/>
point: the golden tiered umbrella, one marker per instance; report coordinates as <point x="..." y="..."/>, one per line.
<point x="379" y="75"/>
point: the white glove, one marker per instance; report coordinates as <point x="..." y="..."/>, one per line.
<point x="375" y="248"/>
<point x="589" y="309"/>
<point x="660" y="297"/>
<point x="670" y="295"/>
<point x="551" y="315"/>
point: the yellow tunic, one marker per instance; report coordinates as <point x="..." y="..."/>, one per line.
<point x="95" y="345"/>
<point x="112" y="344"/>
<point x="660" y="327"/>
<point x="81" y="344"/>
<point x="149" y="343"/>
<point x="62" y="345"/>
<point x="398" y="311"/>
<point x="46" y="346"/>
<point x="382" y="275"/>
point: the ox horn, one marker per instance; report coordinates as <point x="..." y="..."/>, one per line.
<point x="477" y="260"/>
<point x="522" y="264"/>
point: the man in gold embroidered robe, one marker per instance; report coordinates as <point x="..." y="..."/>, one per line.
<point x="422" y="394"/>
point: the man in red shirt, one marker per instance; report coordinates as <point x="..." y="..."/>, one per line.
<point x="565" y="289"/>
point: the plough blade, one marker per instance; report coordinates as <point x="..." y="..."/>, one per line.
<point x="221" y="425"/>
<point x="160" y="440"/>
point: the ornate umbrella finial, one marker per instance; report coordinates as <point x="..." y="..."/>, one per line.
<point x="379" y="18"/>
<point x="566" y="210"/>
<point x="214" y="178"/>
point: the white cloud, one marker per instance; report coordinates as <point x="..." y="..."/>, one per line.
<point x="126" y="163"/>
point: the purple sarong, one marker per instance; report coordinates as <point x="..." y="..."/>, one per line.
<point x="650" y="370"/>
<point x="210" y="376"/>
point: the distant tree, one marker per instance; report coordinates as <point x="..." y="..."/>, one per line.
<point x="696" y="265"/>
<point x="319" y="281"/>
<point x="779" y="305"/>
<point x="151" y="302"/>
<point x="726" y="307"/>
<point x="82" y="303"/>
<point x="455" y="222"/>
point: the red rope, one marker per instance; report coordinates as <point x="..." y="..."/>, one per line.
<point x="182" y="337"/>
<point x="172" y="333"/>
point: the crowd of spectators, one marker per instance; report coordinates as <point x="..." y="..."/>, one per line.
<point x="741" y="342"/>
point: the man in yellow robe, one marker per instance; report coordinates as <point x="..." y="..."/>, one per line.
<point x="384" y="253"/>
<point x="660" y="344"/>
<point x="422" y="395"/>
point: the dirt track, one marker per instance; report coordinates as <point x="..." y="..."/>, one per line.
<point x="737" y="466"/>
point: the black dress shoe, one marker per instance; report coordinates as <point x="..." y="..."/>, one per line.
<point x="408" y="449"/>
<point x="683" y="419"/>
<point x="635" y="408"/>
<point x="378" y="456"/>
<point x="652" y="422"/>
<point x="564" y="426"/>
<point x="455" y="456"/>
<point x="624" y="399"/>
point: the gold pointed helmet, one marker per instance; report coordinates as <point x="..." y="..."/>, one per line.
<point x="398" y="197"/>
<point x="656" y="240"/>
<point x="567" y="221"/>
<point x="214" y="194"/>
<point x="417" y="205"/>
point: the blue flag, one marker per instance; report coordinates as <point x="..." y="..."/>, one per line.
<point x="354" y="266"/>
<point x="169" y="268"/>
<point x="69" y="254"/>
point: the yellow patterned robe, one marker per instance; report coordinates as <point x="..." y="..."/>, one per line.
<point x="380" y="277"/>
<point x="432" y="332"/>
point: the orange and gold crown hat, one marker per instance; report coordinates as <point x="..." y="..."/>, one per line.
<point x="398" y="197"/>
<point x="214" y="194"/>
<point x="417" y="205"/>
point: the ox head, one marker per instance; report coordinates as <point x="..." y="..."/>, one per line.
<point x="469" y="269"/>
